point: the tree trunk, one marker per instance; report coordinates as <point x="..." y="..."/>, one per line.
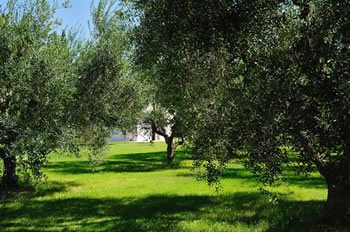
<point x="171" y="148"/>
<point x="338" y="204"/>
<point x="337" y="177"/>
<point x="9" y="178"/>
<point x="229" y="152"/>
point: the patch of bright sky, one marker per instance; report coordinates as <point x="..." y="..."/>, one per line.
<point x="76" y="17"/>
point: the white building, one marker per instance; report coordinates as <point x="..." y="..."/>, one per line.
<point x="139" y="134"/>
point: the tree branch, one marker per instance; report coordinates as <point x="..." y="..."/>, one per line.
<point x="155" y="129"/>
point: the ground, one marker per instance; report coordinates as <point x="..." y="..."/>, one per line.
<point x="134" y="190"/>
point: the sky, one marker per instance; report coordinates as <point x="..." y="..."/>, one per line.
<point x="76" y="17"/>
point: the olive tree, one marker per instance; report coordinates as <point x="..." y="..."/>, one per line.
<point x="164" y="56"/>
<point x="291" y="89"/>
<point x="59" y="93"/>
<point x="160" y="121"/>
<point x="36" y="86"/>
<point x="107" y="95"/>
<point x="273" y="76"/>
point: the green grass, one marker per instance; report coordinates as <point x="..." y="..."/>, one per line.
<point x="134" y="190"/>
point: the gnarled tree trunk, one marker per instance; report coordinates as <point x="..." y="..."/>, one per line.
<point x="337" y="175"/>
<point x="9" y="177"/>
<point x="338" y="203"/>
<point x="171" y="149"/>
<point x="169" y="140"/>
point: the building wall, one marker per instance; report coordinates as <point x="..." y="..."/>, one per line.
<point x="138" y="135"/>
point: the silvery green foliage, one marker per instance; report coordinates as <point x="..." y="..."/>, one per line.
<point x="245" y="68"/>
<point x="37" y="83"/>
<point x="107" y="94"/>
<point x="273" y="83"/>
<point x="58" y="93"/>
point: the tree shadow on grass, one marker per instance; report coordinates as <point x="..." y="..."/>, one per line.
<point x="140" y="162"/>
<point x="246" y="176"/>
<point x="27" y="192"/>
<point x="163" y="213"/>
<point x="155" y="161"/>
<point x="291" y="178"/>
<point x="306" y="181"/>
<point x="181" y="155"/>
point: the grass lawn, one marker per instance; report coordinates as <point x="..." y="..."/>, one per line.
<point x="134" y="190"/>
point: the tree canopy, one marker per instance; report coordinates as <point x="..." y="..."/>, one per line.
<point x="58" y="92"/>
<point x="107" y="94"/>
<point x="265" y="79"/>
<point x="260" y="78"/>
<point x="37" y="84"/>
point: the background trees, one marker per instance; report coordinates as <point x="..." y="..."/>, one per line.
<point x="253" y="78"/>
<point x="160" y="121"/>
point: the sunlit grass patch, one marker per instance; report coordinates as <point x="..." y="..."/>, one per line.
<point x="134" y="190"/>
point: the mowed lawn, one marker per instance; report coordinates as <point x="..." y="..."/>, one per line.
<point x="133" y="190"/>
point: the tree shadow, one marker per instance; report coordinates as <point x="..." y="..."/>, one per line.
<point x="151" y="156"/>
<point x="155" y="161"/>
<point x="162" y="213"/>
<point x="246" y="176"/>
<point x="27" y="191"/>
<point x="140" y="162"/>
<point x="306" y="181"/>
<point x="290" y="177"/>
